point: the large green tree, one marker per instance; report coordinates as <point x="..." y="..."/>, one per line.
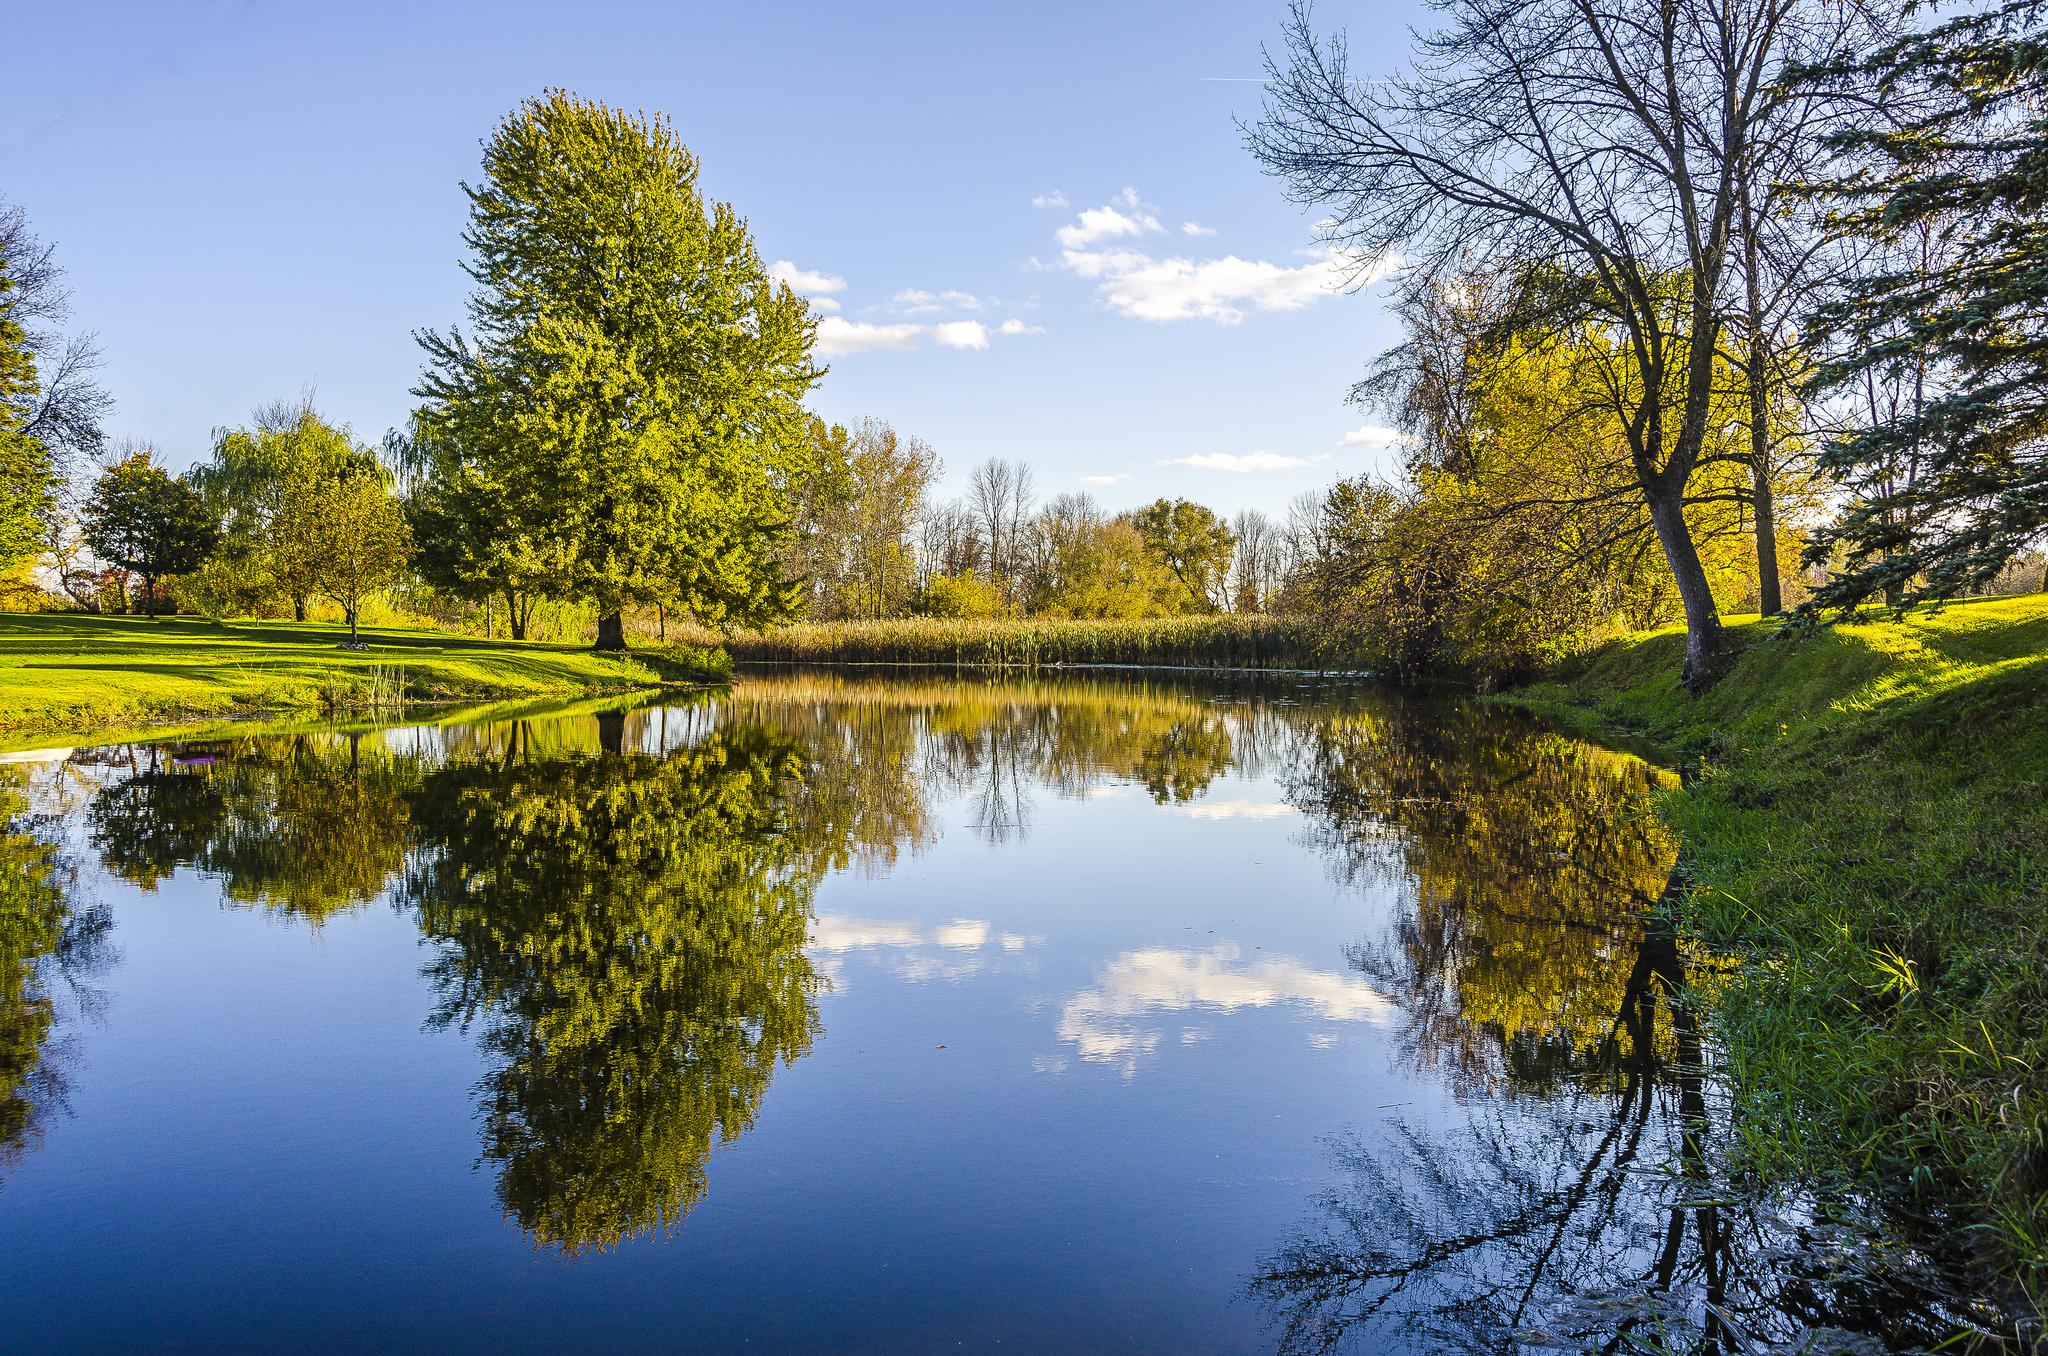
<point x="142" y="519"/>
<point x="631" y="388"/>
<point x="1951" y="479"/>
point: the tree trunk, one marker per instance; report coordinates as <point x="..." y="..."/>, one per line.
<point x="352" y="611"/>
<point x="611" y="631"/>
<point x="149" y="596"/>
<point x="1770" y="598"/>
<point x="1770" y="601"/>
<point x="298" y="607"/>
<point x="661" y="621"/>
<point x="514" y="618"/>
<point x="1702" y="619"/>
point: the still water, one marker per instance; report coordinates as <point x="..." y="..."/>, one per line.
<point x="831" y="1014"/>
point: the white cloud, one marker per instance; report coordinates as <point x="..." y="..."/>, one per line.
<point x="1218" y="289"/>
<point x="1237" y="809"/>
<point x="961" y="334"/>
<point x="1105" y="1023"/>
<point x="1105" y="480"/>
<point x="1016" y="326"/>
<point x="805" y="280"/>
<point x="837" y="335"/>
<point x="823" y="304"/>
<point x="1376" y="436"/>
<point x="1224" y="290"/>
<point x="1101" y="223"/>
<point x="917" y="301"/>
<point x="1052" y="199"/>
<point x="1233" y="462"/>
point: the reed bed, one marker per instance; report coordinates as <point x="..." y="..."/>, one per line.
<point x="1226" y="642"/>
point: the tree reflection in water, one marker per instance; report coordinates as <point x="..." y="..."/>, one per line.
<point x="627" y="932"/>
<point x="1582" y="1205"/>
<point x="52" y="942"/>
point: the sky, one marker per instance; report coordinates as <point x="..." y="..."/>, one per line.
<point x="1033" y="230"/>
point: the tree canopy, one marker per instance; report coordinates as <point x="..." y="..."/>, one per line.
<point x="630" y="389"/>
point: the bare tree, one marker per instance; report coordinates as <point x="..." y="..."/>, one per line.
<point x="1000" y="498"/>
<point x="1259" y="562"/>
<point x="1592" y="151"/>
<point x="65" y="411"/>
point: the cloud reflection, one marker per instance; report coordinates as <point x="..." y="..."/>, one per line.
<point x="954" y="950"/>
<point x="1105" y="1023"/>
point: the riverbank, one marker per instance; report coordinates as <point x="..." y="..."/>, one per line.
<point x="1222" y="642"/>
<point x="73" y="674"/>
<point x="1868" y="831"/>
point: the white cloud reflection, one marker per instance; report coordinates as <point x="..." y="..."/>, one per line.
<point x="1106" y="1024"/>
<point x="954" y="950"/>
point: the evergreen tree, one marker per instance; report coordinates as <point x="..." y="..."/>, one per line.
<point x="27" y="478"/>
<point x="1954" y="309"/>
<point x="631" y="387"/>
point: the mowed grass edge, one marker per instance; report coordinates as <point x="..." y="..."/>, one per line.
<point x="73" y="675"/>
<point x="1868" y="832"/>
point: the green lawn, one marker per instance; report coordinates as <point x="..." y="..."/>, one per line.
<point x="1869" y="833"/>
<point x="74" y="674"/>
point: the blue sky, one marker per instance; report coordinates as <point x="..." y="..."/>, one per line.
<point x="256" y="198"/>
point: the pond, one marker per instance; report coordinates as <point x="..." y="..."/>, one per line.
<point x="831" y="1013"/>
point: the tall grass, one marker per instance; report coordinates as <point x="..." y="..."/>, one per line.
<point x="1226" y="642"/>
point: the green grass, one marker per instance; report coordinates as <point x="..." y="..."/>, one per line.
<point x="1200" y="642"/>
<point x="1868" y="830"/>
<point x="73" y="674"/>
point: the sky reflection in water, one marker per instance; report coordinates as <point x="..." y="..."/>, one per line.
<point x="832" y="1014"/>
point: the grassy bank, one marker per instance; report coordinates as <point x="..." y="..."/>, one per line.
<point x="1869" y="831"/>
<point x="1200" y="642"/>
<point x="73" y="674"/>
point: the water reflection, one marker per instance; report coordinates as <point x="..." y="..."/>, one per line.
<point x="1112" y="1021"/>
<point x="622" y="912"/>
<point x="1583" y="1203"/>
<point x="53" y="941"/>
<point x="626" y="933"/>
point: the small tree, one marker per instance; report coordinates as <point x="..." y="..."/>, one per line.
<point x="356" y="532"/>
<point x="142" y="519"/>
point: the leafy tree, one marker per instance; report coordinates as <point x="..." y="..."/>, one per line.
<point x="1951" y="317"/>
<point x="142" y="519"/>
<point x="258" y="485"/>
<point x="631" y="388"/>
<point x="960" y="595"/>
<point x="1195" y="547"/>
<point x="355" y="533"/>
<point x="855" y="513"/>
<point x="1085" y="564"/>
